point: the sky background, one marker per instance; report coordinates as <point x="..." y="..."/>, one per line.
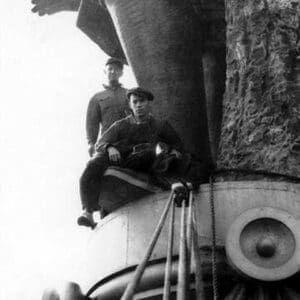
<point x="48" y="72"/>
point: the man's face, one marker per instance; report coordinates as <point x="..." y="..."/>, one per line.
<point x="139" y="105"/>
<point x="113" y="72"/>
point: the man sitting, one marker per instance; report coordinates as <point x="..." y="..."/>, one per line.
<point x="132" y="143"/>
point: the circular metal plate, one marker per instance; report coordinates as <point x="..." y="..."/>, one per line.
<point x="262" y="243"/>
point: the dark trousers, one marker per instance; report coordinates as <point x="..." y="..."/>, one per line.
<point x="90" y="181"/>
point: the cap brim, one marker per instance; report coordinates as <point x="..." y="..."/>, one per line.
<point x="115" y="62"/>
<point x="143" y="94"/>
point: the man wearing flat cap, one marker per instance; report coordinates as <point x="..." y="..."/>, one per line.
<point x="133" y="142"/>
<point x="107" y="106"/>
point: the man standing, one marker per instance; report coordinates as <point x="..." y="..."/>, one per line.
<point x="121" y="144"/>
<point x="107" y="106"/>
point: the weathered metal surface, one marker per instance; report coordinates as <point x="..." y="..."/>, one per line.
<point x="259" y="291"/>
<point x="171" y="55"/>
<point x="94" y="20"/>
<point x="235" y="198"/>
<point x="261" y="108"/>
<point x="264" y="243"/>
<point x="163" y="47"/>
<point x="121" y="186"/>
<point x="199" y="28"/>
<point x="176" y="49"/>
<point x="127" y="231"/>
<point x="211" y="14"/>
<point x="152" y="281"/>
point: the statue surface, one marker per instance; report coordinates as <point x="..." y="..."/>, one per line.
<point x="171" y="46"/>
<point x="177" y="50"/>
<point x="261" y="108"/>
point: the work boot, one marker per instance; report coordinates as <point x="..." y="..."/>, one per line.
<point x="86" y="219"/>
<point x="102" y="213"/>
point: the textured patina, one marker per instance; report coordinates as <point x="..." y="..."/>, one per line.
<point x="261" y="107"/>
<point x="260" y="127"/>
<point x="176" y="49"/>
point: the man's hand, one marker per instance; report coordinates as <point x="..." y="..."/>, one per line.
<point x="114" y="154"/>
<point x="176" y="153"/>
<point x="91" y="150"/>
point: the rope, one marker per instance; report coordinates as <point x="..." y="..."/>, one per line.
<point x="213" y="231"/>
<point x="182" y="265"/>
<point x="189" y="232"/>
<point x="131" y="287"/>
<point x="196" y="252"/>
<point x="189" y="229"/>
<point x="167" y="283"/>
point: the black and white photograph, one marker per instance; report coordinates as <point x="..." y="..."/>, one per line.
<point x="150" y="149"/>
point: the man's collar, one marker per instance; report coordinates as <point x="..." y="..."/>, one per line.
<point x="113" y="87"/>
<point x="133" y="120"/>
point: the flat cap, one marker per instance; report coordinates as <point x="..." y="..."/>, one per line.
<point x="114" y="61"/>
<point x="140" y="92"/>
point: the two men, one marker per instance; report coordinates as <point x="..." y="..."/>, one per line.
<point x="122" y="144"/>
<point x="107" y="106"/>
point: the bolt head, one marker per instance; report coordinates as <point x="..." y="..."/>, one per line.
<point x="266" y="247"/>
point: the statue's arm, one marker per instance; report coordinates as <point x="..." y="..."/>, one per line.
<point x="93" y="19"/>
<point x="49" y="7"/>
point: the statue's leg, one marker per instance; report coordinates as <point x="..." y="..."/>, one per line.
<point x="211" y="15"/>
<point x="260" y="129"/>
<point x="214" y="69"/>
<point x="162" y="44"/>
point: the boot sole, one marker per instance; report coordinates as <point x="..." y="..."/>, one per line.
<point x="82" y="221"/>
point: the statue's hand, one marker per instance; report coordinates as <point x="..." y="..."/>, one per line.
<point x="49" y="7"/>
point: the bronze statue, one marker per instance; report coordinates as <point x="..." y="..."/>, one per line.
<point x="201" y="51"/>
<point x="247" y="217"/>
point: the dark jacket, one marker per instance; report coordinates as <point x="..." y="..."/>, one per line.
<point x="105" y="108"/>
<point x="125" y="134"/>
